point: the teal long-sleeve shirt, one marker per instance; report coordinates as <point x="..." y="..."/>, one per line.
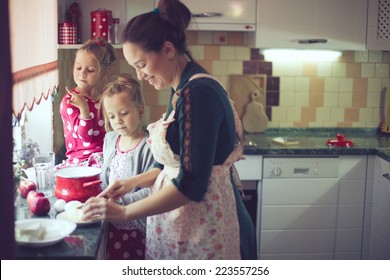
<point x="203" y="133"/>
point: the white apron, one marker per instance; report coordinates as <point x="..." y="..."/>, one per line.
<point x="198" y="230"/>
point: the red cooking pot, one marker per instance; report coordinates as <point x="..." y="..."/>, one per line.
<point x="77" y="183"/>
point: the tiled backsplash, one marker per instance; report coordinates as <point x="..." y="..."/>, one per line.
<point x="346" y="93"/>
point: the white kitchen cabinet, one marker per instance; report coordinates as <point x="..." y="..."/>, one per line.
<point x="312" y="208"/>
<point x="286" y="23"/>
<point x="224" y="15"/>
<point x="378" y="24"/>
<point x="122" y="9"/>
<point x="379" y="221"/>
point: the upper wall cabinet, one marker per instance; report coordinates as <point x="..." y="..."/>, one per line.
<point x="223" y="15"/>
<point x="310" y="24"/>
<point x="378" y="25"/>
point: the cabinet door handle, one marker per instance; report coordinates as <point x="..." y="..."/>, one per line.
<point x="208" y="15"/>
<point x="387" y="176"/>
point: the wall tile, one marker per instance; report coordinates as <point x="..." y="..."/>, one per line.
<point x="375" y="56"/>
<point x="242" y="53"/>
<point x="347" y="56"/>
<point x="381" y="70"/>
<point x="324" y="69"/>
<point x="303" y="84"/>
<point x="205" y="38"/>
<point x="352" y="114"/>
<point x="235" y="67"/>
<point x="192" y="37"/>
<point x="317" y="84"/>
<point x="353" y="70"/>
<point x="197" y="51"/>
<point x="359" y="100"/>
<point x="308" y="114"/>
<point x="309" y="69"/>
<point x="316" y="99"/>
<point x="220" y="38"/>
<point x="339" y="70"/>
<point x="220" y="67"/>
<point x="368" y="70"/>
<point x="374" y="85"/>
<point x="322" y="114"/>
<point x="331" y="84"/>
<point x="301" y="98"/>
<point x="345" y="85"/>
<point x="235" y="38"/>
<point x="360" y="85"/>
<point x="361" y="56"/>
<point x="330" y="99"/>
<point x="345" y="100"/>
<point x="227" y="53"/>
<point x="212" y="53"/>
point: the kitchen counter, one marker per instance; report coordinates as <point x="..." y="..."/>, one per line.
<point x="83" y="243"/>
<point x="312" y="141"/>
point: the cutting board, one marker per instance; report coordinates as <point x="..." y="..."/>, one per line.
<point x="248" y="93"/>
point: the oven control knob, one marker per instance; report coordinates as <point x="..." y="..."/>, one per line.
<point x="276" y="171"/>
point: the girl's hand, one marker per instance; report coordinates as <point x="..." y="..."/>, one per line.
<point x="100" y="209"/>
<point x="79" y="101"/>
<point x="117" y="189"/>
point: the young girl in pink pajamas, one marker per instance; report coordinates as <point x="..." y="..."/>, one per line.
<point x="83" y="124"/>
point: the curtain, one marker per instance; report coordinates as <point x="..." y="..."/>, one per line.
<point x="34" y="58"/>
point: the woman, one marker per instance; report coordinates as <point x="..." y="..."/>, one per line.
<point x="194" y="210"/>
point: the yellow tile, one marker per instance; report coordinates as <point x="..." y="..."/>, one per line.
<point x="197" y="51"/>
<point x="330" y="99"/>
<point x="322" y="114"/>
<point x="345" y="100"/>
<point x="345" y="85"/>
<point x="368" y="70"/>
<point x="337" y="114"/>
<point x="374" y="85"/>
<point x="381" y="70"/>
<point x="324" y="69"/>
<point x="310" y="69"/>
<point x="294" y="113"/>
<point x="375" y="56"/>
<point x="235" y="67"/>
<point x="220" y="67"/>
<point x="227" y="53"/>
<point x="243" y="53"/>
<point x="339" y="69"/>
<point x="301" y="99"/>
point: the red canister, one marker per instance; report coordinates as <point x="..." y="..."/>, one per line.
<point x="67" y="33"/>
<point x="101" y="24"/>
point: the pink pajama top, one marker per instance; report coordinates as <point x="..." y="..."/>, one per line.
<point x="83" y="137"/>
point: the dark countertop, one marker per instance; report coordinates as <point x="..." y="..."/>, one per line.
<point x="83" y="243"/>
<point x="312" y="141"/>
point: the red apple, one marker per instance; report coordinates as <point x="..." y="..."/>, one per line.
<point x="40" y="206"/>
<point x="33" y="194"/>
<point x="25" y="186"/>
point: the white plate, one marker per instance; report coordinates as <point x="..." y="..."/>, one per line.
<point x="55" y="231"/>
<point x="67" y="216"/>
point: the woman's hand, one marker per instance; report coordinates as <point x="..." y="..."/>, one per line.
<point x="117" y="189"/>
<point x="99" y="209"/>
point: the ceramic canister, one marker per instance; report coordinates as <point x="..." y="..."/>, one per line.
<point x="101" y="24"/>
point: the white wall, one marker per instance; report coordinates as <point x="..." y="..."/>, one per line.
<point x="39" y="124"/>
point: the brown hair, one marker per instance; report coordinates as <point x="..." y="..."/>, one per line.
<point x="103" y="52"/>
<point x="124" y="83"/>
<point x="168" y="22"/>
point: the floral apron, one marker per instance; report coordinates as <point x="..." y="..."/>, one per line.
<point x="198" y="230"/>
